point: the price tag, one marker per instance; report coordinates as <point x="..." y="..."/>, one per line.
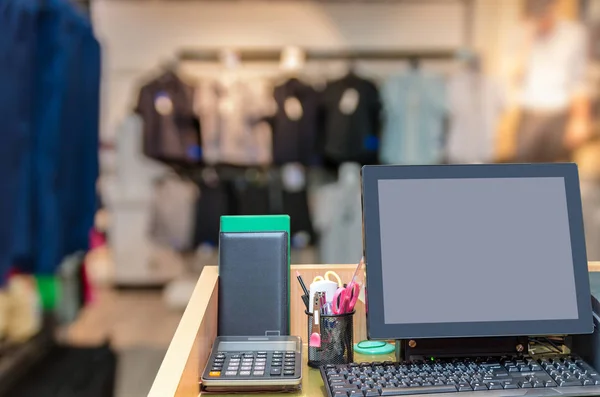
<point x="293" y="108"/>
<point x="349" y="101"/>
<point x="163" y="104"/>
<point x="293" y="177"/>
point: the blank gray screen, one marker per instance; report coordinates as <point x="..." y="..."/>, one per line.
<point x="475" y="250"/>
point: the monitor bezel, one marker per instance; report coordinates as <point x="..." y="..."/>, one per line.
<point x="376" y="326"/>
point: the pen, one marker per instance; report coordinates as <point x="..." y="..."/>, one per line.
<point x="299" y="277"/>
<point x="322" y="302"/>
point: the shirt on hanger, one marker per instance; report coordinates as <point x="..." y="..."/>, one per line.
<point x="414" y="111"/>
<point x="295" y="123"/>
<point x="19" y="45"/>
<point x="338" y="217"/>
<point x="136" y="173"/>
<point x="351" y="120"/>
<point x="66" y="110"/>
<point x="476" y="103"/>
<point x="555" y="67"/>
<point x="170" y="129"/>
<point x="173" y="212"/>
<point x="234" y="115"/>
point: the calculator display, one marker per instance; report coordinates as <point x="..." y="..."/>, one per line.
<point x="266" y="346"/>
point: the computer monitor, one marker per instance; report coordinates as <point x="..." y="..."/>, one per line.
<point x="474" y="251"/>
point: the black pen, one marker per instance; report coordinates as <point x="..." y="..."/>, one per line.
<point x="299" y="277"/>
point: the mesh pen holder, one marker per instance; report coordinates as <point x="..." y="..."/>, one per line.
<point x="336" y="340"/>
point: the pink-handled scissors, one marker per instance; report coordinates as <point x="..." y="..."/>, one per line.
<point x="345" y="298"/>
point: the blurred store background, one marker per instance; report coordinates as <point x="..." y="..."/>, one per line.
<point x="131" y="126"/>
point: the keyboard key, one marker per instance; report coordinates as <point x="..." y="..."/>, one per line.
<point x="244" y="373"/>
<point x="246" y="367"/>
<point x="275" y="371"/>
<point x="230" y="373"/>
<point x="494" y="386"/>
<point x="342" y="388"/>
<point x="462" y="387"/>
<point x="570" y="382"/>
<point x="510" y="384"/>
<point x="478" y="386"/>
<point x="289" y="372"/>
<point x="258" y="373"/>
<point x="371" y="393"/>
<point x="407" y="391"/>
<point x="214" y="374"/>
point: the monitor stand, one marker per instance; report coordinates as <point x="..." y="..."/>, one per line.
<point x="419" y="349"/>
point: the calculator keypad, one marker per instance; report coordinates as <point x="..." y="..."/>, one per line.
<point x="258" y="364"/>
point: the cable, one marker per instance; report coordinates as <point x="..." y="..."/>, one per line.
<point x="549" y="344"/>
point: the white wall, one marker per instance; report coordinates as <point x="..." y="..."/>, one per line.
<point x="139" y="34"/>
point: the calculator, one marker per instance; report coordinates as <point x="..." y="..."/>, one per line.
<point x="254" y="363"/>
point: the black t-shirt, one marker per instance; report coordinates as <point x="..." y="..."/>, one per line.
<point x="295" y="124"/>
<point x="171" y="129"/>
<point x="350" y="112"/>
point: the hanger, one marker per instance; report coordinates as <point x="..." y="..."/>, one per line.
<point x="352" y="65"/>
<point x="469" y="60"/>
<point x="414" y="62"/>
<point x="474" y="63"/>
<point x="168" y="69"/>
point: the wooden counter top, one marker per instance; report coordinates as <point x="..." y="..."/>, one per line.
<point x="179" y="373"/>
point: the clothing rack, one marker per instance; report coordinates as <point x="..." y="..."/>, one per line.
<point x="274" y="55"/>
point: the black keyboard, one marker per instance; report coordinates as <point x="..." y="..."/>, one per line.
<point x="462" y="375"/>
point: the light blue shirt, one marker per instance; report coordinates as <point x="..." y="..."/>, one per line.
<point x="414" y="109"/>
